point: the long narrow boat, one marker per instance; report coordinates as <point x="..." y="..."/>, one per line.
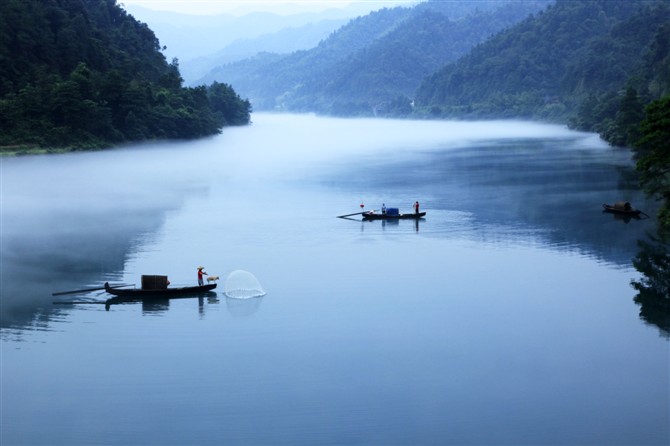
<point x="375" y="216"/>
<point x="623" y="208"/>
<point x="166" y="293"/>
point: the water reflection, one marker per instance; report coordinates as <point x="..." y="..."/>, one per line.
<point x="396" y="223"/>
<point x="242" y="308"/>
<point x="392" y="224"/>
<point x="653" y="261"/>
<point x="518" y="187"/>
<point x="201" y="303"/>
<point x="623" y="218"/>
<point x="157" y="306"/>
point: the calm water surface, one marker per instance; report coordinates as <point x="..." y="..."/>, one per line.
<point x="506" y="316"/>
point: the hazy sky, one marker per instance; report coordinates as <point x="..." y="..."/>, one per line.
<point x="276" y="6"/>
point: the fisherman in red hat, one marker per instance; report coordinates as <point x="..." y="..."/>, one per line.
<point x="200" y="274"/>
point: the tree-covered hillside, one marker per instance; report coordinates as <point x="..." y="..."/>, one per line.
<point x="547" y="65"/>
<point x="653" y="157"/>
<point x="285" y="41"/>
<point x="84" y="73"/>
<point x="616" y="112"/>
<point x="375" y="62"/>
<point x="271" y="81"/>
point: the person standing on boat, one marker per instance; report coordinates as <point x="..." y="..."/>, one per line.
<point x="200" y="274"/>
<point x="416" y="207"/>
<point x="383" y="208"/>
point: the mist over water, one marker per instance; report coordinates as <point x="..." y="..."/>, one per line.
<point x="503" y="317"/>
<point x="313" y="139"/>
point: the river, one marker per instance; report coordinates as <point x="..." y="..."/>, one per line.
<point x="505" y="316"/>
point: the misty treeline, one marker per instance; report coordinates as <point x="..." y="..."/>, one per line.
<point x="85" y="74"/>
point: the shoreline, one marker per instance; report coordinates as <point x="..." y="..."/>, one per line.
<point x="20" y="149"/>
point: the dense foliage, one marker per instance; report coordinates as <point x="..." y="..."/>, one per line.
<point x="653" y="153"/>
<point x="616" y="113"/>
<point x="374" y="63"/>
<point x="84" y="73"/>
<point x="546" y="66"/>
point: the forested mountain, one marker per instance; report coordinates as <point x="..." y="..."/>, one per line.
<point x="375" y="62"/>
<point x="79" y="73"/>
<point x="269" y="80"/>
<point x="548" y="65"/>
<point x="285" y="41"/>
<point x="616" y="112"/>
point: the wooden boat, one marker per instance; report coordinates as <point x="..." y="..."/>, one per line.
<point x="621" y="207"/>
<point x="371" y="215"/>
<point x="165" y="293"/>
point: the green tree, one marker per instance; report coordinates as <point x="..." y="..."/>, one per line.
<point x="653" y="152"/>
<point x="231" y="108"/>
<point x="631" y="113"/>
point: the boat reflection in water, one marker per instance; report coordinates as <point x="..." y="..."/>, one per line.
<point x="155" y="303"/>
<point x="152" y="306"/>
<point x="396" y="223"/>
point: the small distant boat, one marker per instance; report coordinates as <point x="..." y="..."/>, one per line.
<point x="622" y="208"/>
<point x="371" y="215"/>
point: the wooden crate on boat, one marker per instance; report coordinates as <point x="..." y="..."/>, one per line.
<point x="154" y="282"/>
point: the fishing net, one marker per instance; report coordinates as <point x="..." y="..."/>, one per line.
<point x="243" y="285"/>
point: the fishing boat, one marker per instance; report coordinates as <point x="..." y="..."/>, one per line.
<point x="159" y="293"/>
<point x="372" y="215"/>
<point x="622" y="208"/>
<point x="154" y="289"/>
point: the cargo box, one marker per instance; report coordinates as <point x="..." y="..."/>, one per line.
<point x="154" y="282"/>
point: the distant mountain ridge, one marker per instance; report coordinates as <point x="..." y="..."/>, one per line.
<point x="189" y="36"/>
<point x="374" y="62"/>
<point x="284" y="41"/>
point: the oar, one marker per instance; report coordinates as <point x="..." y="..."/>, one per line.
<point x="349" y="215"/>
<point x="355" y="213"/>
<point x="61" y="293"/>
